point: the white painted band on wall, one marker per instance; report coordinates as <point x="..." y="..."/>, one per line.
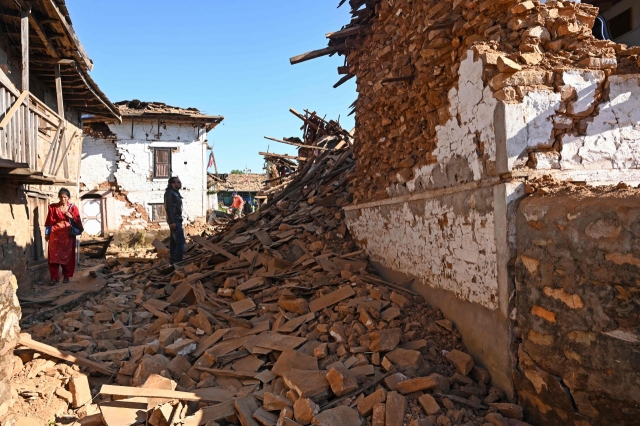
<point x="427" y="194"/>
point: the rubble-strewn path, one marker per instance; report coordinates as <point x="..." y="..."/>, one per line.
<point x="280" y="319"/>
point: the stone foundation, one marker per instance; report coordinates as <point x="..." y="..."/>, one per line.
<point x="577" y="298"/>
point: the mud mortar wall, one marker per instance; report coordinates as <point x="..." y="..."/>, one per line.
<point x="577" y="298"/>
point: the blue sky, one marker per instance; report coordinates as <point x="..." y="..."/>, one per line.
<point x="227" y="58"/>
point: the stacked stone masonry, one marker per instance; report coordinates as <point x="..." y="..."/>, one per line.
<point x="439" y="179"/>
<point x="577" y="277"/>
<point x="540" y="56"/>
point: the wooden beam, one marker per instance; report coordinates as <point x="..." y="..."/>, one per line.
<point x="64" y="153"/>
<point x="24" y="42"/>
<point x="129" y="391"/>
<point x="290" y="157"/>
<point x="343" y="80"/>
<point x="14" y="108"/>
<point x="75" y="42"/>
<point x="98" y="97"/>
<point x="59" y="91"/>
<point x="54" y="142"/>
<point x="43" y="36"/>
<point x="297" y="144"/>
<point x="315" y="54"/>
<point x="25" y="340"/>
<point x="355" y="30"/>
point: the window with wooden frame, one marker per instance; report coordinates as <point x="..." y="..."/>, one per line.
<point x="158" y="212"/>
<point x="162" y="163"/>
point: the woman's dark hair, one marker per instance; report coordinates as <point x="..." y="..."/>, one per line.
<point x="173" y="179"/>
<point x="64" y="191"/>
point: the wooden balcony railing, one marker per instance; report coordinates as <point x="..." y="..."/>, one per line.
<point x="32" y="136"/>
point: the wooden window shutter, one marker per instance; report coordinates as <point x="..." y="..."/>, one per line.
<point x="162" y="163"/>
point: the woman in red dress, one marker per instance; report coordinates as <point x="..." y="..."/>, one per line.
<point x="62" y="245"/>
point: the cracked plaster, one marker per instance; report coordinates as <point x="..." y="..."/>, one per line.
<point x="448" y="242"/>
<point x="466" y="143"/>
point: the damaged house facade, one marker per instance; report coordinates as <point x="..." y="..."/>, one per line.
<point x="45" y="88"/>
<point x="497" y="159"/>
<point x="126" y="166"/>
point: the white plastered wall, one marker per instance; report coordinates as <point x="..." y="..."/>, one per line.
<point x="128" y="160"/>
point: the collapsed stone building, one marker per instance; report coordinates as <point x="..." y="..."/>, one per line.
<point x="126" y="165"/>
<point x="497" y="160"/>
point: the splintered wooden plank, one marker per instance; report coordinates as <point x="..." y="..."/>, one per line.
<point x="314" y="54"/>
<point x="209" y="341"/>
<point x="246" y="406"/>
<point x="291" y="326"/>
<point x="129" y="391"/>
<point x="280" y="342"/>
<point x="229" y="373"/>
<point x="331" y="298"/>
<point x="243" y="305"/>
<point x="25" y="340"/>
<point x="213" y="413"/>
<point x="155" y="311"/>
<point x="214" y="247"/>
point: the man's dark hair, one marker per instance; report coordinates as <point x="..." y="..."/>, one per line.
<point x="173" y="179"/>
<point x="64" y="191"/>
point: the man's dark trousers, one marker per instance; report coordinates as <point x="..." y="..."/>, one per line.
<point x="176" y="243"/>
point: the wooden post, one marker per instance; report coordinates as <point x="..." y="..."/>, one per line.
<point x="59" y="92"/>
<point x="24" y="40"/>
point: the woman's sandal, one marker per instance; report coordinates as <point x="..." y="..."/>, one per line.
<point x="53" y="282"/>
<point x="65" y="280"/>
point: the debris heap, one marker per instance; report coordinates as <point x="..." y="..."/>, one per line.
<point x="279" y="320"/>
<point x="318" y="135"/>
<point x="406" y="57"/>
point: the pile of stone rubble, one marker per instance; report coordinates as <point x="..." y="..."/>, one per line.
<point x="279" y="320"/>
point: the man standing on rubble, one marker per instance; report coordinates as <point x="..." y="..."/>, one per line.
<point x="238" y="203"/>
<point x="173" y="207"/>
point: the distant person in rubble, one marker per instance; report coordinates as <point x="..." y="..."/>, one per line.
<point x="173" y="207"/>
<point x="63" y="224"/>
<point x="236" y="206"/>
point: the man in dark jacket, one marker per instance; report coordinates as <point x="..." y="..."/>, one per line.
<point x="173" y="207"/>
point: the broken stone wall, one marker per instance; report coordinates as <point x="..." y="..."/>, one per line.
<point x="409" y="56"/>
<point x="577" y="297"/>
<point x="496" y="95"/>
<point x="123" y="162"/>
<point x="9" y="333"/>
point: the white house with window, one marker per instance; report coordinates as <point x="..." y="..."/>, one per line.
<point x="126" y="165"/>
